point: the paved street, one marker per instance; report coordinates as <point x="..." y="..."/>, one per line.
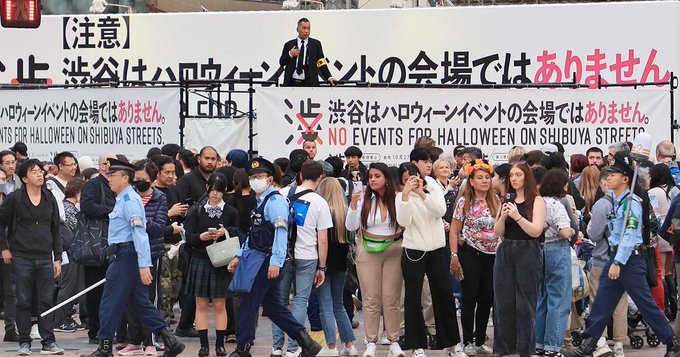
<point x="76" y="344"/>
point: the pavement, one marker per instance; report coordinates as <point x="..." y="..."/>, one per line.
<point x="76" y="343"/>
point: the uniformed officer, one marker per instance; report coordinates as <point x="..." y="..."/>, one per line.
<point x="627" y="269"/>
<point x="128" y="273"/>
<point x="269" y="235"/>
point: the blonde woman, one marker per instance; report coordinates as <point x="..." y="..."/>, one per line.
<point x="473" y="245"/>
<point x="331" y="291"/>
<point x="378" y="256"/>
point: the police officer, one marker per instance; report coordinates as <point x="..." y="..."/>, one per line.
<point x="627" y="269"/>
<point x="269" y="235"/>
<point x="128" y="273"/>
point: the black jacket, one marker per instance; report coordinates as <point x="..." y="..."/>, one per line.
<point x="192" y="185"/>
<point x="91" y="203"/>
<point x="316" y="62"/>
<point x="31" y="235"/>
<point x="363" y="171"/>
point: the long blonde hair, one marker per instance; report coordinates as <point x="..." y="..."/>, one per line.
<point x="590" y="182"/>
<point x="332" y="192"/>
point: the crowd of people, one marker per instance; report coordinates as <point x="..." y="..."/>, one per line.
<point x="446" y="235"/>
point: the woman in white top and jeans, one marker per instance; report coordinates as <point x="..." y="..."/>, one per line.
<point x="419" y="211"/>
<point x="378" y="256"/>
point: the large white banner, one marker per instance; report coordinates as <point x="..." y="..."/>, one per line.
<point x="385" y="123"/>
<point x="90" y="122"/>
<point x="623" y="42"/>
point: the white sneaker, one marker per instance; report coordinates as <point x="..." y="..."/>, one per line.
<point x="395" y="350"/>
<point x="295" y="353"/>
<point x="485" y="349"/>
<point x="618" y="349"/>
<point x="471" y="349"/>
<point x="34" y="332"/>
<point x="419" y="353"/>
<point x="370" y="350"/>
<point x="456" y="351"/>
<point x="384" y="340"/>
<point x="603" y="351"/>
<point x="276" y="352"/>
<point x="328" y="352"/>
<point x="349" y="352"/>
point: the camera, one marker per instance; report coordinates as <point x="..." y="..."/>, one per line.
<point x="510" y="197"/>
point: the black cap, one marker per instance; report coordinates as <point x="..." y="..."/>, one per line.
<point x="459" y="150"/>
<point x="20" y="148"/>
<point x="258" y="165"/>
<point x="622" y="164"/>
<point x="117" y="165"/>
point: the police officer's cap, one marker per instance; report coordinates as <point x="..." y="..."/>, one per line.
<point x="622" y="164"/>
<point x="117" y="165"/>
<point x="258" y="165"/>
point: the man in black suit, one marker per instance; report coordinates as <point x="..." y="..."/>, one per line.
<point x="304" y="60"/>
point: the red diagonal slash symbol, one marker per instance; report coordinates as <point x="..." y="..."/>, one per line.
<point x="309" y="129"/>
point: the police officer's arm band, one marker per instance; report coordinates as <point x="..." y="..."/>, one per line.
<point x="281" y="223"/>
<point x="136" y="221"/>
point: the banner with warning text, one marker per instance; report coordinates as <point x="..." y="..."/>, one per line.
<point x="385" y="123"/>
<point x="90" y="122"/>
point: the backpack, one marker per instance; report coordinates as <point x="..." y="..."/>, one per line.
<point x="297" y="212"/>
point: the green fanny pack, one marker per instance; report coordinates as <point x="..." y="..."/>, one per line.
<point x="372" y="245"/>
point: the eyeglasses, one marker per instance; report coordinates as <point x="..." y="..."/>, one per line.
<point x="37" y="172"/>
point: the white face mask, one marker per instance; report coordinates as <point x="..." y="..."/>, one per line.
<point x="259" y="185"/>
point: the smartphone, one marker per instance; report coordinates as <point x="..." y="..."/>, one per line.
<point x="188" y="201"/>
<point x="358" y="186"/>
<point x="510" y="197"/>
<point x="413" y="172"/>
<point x="212" y="230"/>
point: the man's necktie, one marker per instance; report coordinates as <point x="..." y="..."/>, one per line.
<point x="301" y="59"/>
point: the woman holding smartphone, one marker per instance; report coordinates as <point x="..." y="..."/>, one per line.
<point x="206" y="223"/>
<point x="419" y="211"/>
<point x="518" y="265"/>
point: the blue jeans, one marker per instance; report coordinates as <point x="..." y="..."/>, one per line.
<point x="554" y="296"/>
<point x="333" y="309"/>
<point x="303" y="273"/>
<point x="34" y="281"/>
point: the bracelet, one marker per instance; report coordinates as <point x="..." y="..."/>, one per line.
<point x="519" y="219"/>
<point x="454" y="254"/>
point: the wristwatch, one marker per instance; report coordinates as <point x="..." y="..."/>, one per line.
<point x="616" y="263"/>
<point x="454" y="254"/>
<point x="323" y="269"/>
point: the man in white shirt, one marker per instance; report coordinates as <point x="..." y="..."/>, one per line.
<point x="313" y="218"/>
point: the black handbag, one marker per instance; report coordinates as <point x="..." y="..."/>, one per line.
<point x="90" y="239"/>
<point x="649" y="255"/>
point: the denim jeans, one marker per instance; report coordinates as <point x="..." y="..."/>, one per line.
<point x="34" y="280"/>
<point x="333" y="309"/>
<point x="554" y="296"/>
<point x="303" y="273"/>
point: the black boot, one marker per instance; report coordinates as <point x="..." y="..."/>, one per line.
<point x="172" y="346"/>
<point x="104" y="350"/>
<point x="241" y="351"/>
<point x="204" y="351"/>
<point x="309" y="347"/>
<point x="673" y="348"/>
<point x="587" y="347"/>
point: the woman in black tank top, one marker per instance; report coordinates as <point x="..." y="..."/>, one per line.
<point x="518" y="267"/>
